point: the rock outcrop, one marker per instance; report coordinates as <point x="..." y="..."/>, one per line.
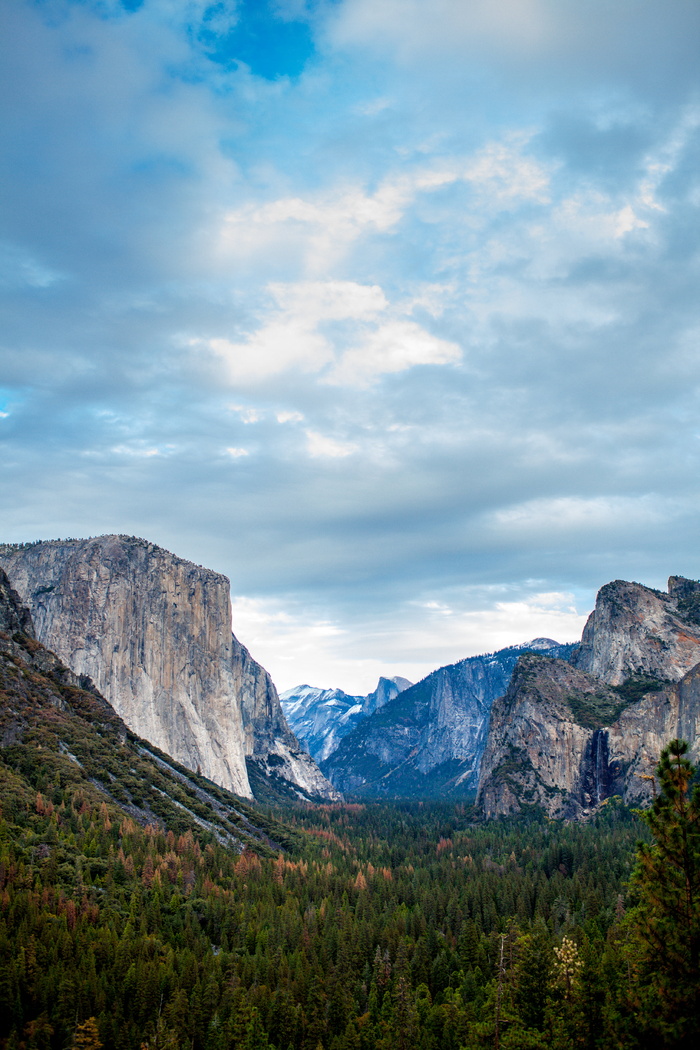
<point x="56" y="729"/>
<point x="153" y="631"/>
<point x="320" y="718"/>
<point x="565" y="738"/>
<point x="14" y="617"/>
<point x="429" y="739"/>
<point x="542" y="749"/>
<point x="636" y="630"/>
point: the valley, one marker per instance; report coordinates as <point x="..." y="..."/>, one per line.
<point x="146" y="905"/>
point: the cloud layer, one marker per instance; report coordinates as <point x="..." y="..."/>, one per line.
<point x="390" y="315"/>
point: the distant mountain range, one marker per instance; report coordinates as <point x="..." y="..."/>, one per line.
<point x="560" y="728"/>
<point x="320" y="718"/>
<point x="428" y="740"/>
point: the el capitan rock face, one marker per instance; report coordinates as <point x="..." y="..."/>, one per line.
<point x="56" y="728"/>
<point x="153" y="631"/>
<point x="565" y="740"/>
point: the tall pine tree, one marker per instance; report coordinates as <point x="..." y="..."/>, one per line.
<point x="664" y="946"/>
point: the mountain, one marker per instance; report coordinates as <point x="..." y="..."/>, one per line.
<point x="635" y="629"/>
<point x="565" y="738"/>
<point x="320" y="718"/>
<point x="429" y="739"/>
<point x="60" y="737"/>
<point x="153" y="631"/>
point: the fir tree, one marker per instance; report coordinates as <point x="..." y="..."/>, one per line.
<point x="664" y="948"/>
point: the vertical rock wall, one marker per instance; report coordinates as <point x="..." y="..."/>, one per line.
<point x="153" y="631"/>
<point x="566" y="738"/>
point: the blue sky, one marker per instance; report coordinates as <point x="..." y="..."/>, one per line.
<point x="387" y="309"/>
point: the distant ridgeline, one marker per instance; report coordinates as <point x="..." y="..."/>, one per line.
<point x="544" y="726"/>
<point x="322" y="717"/>
<point x="539" y="725"/>
<point x="428" y="741"/>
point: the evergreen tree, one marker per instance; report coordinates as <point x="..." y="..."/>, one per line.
<point x="664" y="948"/>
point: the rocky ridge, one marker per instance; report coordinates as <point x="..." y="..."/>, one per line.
<point x="637" y="630"/>
<point x="429" y="739"/>
<point x="153" y="631"/>
<point x="566" y="738"/>
<point x="320" y="718"/>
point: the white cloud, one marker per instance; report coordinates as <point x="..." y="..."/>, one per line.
<point x="280" y="345"/>
<point x="516" y="25"/>
<point x="392" y="347"/>
<point x="127" y="450"/>
<point x="236" y="453"/>
<point x="246" y="414"/>
<point x="469" y="626"/>
<point x="321" y="446"/>
<point x="294" y="337"/>
<point x="299" y="647"/>
<point x="322" y="230"/>
<point x="330" y="300"/>
<point x="503" y="175"/>
<point x="570" y="514"/>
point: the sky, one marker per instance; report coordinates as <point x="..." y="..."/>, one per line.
<point x="387" y="309"/>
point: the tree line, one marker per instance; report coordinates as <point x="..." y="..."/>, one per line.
<point x="382" y="927"/>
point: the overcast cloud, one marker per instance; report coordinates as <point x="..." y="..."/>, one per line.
<point x="387" y="309"/>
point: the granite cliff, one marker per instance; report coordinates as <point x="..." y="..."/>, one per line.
<point x="153" y="631"/>
<point x="635" y="629"/>
<point x="565" y="738"/>
<point x="429" y="739"/>
<point x="56" y="730"/>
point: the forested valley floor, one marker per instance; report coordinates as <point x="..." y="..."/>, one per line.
<point x="380" y="926"/>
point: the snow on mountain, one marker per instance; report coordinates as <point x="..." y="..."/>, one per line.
<point x="320" y="718"/>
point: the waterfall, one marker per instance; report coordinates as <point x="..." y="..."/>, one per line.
<point x="599" y="756"/>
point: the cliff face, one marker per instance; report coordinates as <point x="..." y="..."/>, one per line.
<point x="429" y="739"/>
<point x="542" y="747"/>
<point x="565" y="740"/>
<point x="635" y="629"/>
<point x="154" y="633"/>
<point x="277" y="764"/>
<point x="14" y="617"/>
<point x="56" y="727"/>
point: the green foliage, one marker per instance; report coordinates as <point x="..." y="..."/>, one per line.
<point x="637" y="686"/>
<point x="664" y="927"/>
<point x="595" y="710"/>
<point x="130" y="917"/>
